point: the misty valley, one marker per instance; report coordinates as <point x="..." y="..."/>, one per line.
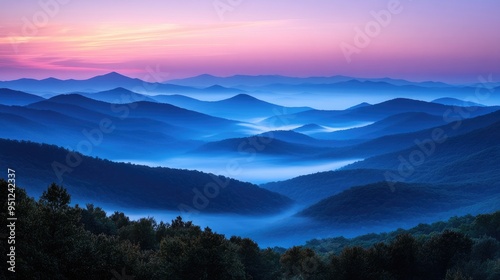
<point x="283" y="161"/>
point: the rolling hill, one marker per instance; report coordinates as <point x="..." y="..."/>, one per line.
<point x="455" y="174"/>
<point x="189" y="124"/>
<point x="241" y="107"/>
<point x="64" y="114"/>
<point x="291" y="136"/>
<point x="373" y="113"/>
<point x="468" y="158"/>
<point x="392" y="143"/>
<point x="206" y="80"/>
<point x="260" y="145"/>
<point x="118" y="95"/>
<point x="309" y="189"/>
<point x="134" y="185"/>
<point x="104" y="82"/>
<point x="94" y="84"/>
<point x="395" y="124"/>
<point x="67" y="105"/>
<point x="15" y="97"/>
<point x="366" y="87"/>
<point x="377" y="204"/>
<point x="456" y="102"/>
<point x="310" y="129"/>
<point x="82" y="130"/>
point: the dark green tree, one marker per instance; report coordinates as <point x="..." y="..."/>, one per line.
<point x="186" y="247"/>
<point x="443" y="251"/>
<point x="55" y="198"/>
<point x="142" y="232"/>
<point x="489" y="225"/>
<point x="403" y="251"/>
<point x="95" y="220"/>
<point x="352" y="264"/>
<point x="302" y="263"/>
<point x="120" y="219"/>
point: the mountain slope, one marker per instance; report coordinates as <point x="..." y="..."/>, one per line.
<point x="239" y="107"/>
<point x="134" y="185"/>
<point x="452" y="175"/>
<point x="456" y="102"/>
<point x="98" y="83"/>
<point x="395" y="124"/>
<point x="309" y="189"/>
<point x="93" y="133"/>
<point x="206" y="80"/>
<point x="260" y="145"/>
<point x="252" y="81"/>
<point x="455" y="126"/>
<point x="353" y="87"/>
<point x="190" y="124"/>
<point x="19" y="98"/>
<point x="471" y="157"/>
<point x="118" y="95"/>
<point x="310" y="129"/>
<point x="465" y="167"/>
<point x="291" y="136"/>
<point x="377" y="112"/>
<point x="377" y="204"/>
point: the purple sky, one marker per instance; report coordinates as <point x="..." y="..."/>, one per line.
<point x="452" y="41"/>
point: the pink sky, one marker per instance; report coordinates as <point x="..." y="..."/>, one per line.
<point x="452" y="41"/>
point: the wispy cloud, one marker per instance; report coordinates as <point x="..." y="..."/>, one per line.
<point x="112" y="45"/>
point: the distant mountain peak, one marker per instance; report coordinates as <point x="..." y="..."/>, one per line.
<point x="311" y="125"/>
<point x="401" y="100"/>
<point x="221" y="89"/>
<point x="118" y="89"/>
<point x="216" y="87"/>
<point x="68" y="96"/>
<point x="243" y="96"/>
<point x="71" y="98"/>
<point x="111" y="75"/>
<point x="308" y="128"/>
<point x="360" y="105"/>
<point x="51" y="79"/>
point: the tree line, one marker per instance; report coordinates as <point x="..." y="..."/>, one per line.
<point x="55" y="240"/>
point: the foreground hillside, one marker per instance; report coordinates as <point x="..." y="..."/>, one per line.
<point x="135" y="185"/>
<point x="58" y="241"/>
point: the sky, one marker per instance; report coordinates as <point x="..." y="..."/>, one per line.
<point x="453" y="41"/>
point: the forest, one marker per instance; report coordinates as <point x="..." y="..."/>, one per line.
<point x="55" y="240"/>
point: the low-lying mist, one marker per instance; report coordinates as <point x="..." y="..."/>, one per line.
<point x="254" y="169"/>
<point x="282" y="230"/>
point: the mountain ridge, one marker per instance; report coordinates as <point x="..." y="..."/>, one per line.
<point x="140" y="186"/>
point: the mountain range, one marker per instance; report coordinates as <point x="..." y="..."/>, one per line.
<point x="280" y="87"/>
<point x="372" y="113"/>
<point x="457" y="174"/>
<point x="101" y="83"/>
<point x="416" y="160"/>
<point x="263" y="80"/>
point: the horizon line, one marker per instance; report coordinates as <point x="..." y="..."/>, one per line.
<point x="234" y="75"/>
